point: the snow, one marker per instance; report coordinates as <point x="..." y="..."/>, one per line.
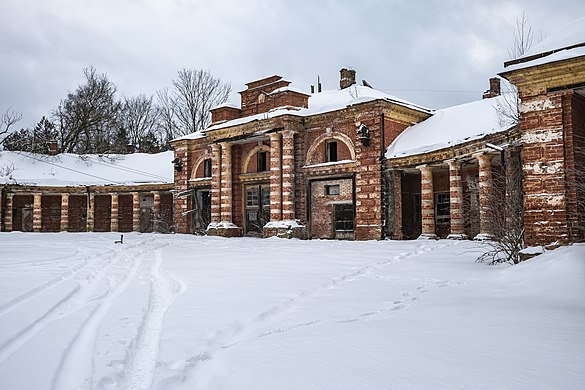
<point x="74" y="170"/>
<point x="571" y="34"/>
<point x="452" y="126"/>
<point x="185" y="312"/>
<point x="290" y="224"/>
<point x="319" y="103"/>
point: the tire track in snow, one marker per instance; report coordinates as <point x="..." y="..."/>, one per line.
<point x="75" y="370"/>
<point x="73" y="301"/>
<point x="14" y="303"/>
<point x="142" y="355"/>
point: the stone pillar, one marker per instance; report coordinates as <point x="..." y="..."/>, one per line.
<point x="90" y="212"/>
<point x="216" y="183"/>
<point x="275" y="178"/>
<point x="485" y="195"/>
<point x="156" y="211"/>
<point x="288" y="178"/>
<point x="37" y="213"/>
<point x="427" y="200"/>
<point x="135" y="212"/>
<point x="8" y="214"/>
<point x="64" y="212"/>
<point x="226" y="182"/>
<point x="114" y="215"/>
<point x="456" y="201"/>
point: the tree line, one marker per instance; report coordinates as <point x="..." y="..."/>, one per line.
<point x="95" y="119"/>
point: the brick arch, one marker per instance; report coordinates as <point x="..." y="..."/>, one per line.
<point x="198" y="162"/>
<point x="326" y="137"/>
<point x="252" y="153"/>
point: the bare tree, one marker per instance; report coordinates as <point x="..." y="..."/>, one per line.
<point x="195" y="92"/>
<point x="8" y="119"/>
<point x="167" y="123"/>
<point x="523" y="37"/>
<point x="138" y="118"/>
<point x="506" y="211"/>
<point x="87" y="119"/>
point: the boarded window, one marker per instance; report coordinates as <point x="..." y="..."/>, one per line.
<point x="207" y="168"/>
<point x="344" y="217"/>
<point x="331" y="151"/>
<point x="262" y="161"/>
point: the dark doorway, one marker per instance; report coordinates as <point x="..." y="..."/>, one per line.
<point x="201" y="207"/>
<point x="257" y="208"/>
<point x="146" y="212"/>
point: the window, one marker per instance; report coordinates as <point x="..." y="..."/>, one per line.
<point x="344" y="217"/>
<point x="333" y="189"/>
<point x="442" y="206"/>
<point x="262" y="161"/>
<point x="331" y="151"/>
<point x="207" y="168"/>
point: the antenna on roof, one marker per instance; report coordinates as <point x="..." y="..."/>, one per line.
<point x="318" y="84"/>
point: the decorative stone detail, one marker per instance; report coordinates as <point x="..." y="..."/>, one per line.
<point x="37" y="213"/>
<point x="226" y="182"/>
<point x="8" y="214"/>
<point x="288" y="150"/>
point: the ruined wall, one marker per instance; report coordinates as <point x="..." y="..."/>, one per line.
<point x="50" y="213"/>
<point x="102" y="213"/>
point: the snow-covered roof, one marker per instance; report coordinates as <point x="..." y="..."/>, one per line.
<point x="226" y="104"/>
<point x="452" y="126"/>
<point x="556" y="47"/>
<point x="74" y="170"/>
<point x="319" y="103"/>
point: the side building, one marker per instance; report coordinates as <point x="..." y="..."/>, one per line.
<point x="89" y="193"/>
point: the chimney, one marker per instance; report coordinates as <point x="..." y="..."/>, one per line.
<point x="130" y="149"/>
<point x="347" y="78"/>
<point x="52" y="147"/>
<point x="494" y="89"/>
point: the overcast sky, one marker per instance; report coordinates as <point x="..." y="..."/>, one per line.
<point x="416" y="50"/>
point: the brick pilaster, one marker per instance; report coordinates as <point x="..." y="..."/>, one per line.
<point x="37" y="213"/>
<point x="427" y="202"/>
<point x="8" y="214"/>
<point x="226" y="182"/>
<point x="135" y="212"/>
<point x="288" y="160"/>
<point x="275" y="177"/>
<point x="456" y="201"/>
<point x="114" y="214"/>
<point x="216" y="183"/>
<point x="64" y="212"/>
<point x="156" y="211"/>
<point x="485" y="195"/>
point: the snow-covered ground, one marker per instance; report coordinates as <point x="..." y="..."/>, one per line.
<point x="183" y="312"/>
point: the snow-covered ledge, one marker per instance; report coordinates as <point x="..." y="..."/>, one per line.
<point x="330" y="163"/>
<point x="284" y="229"/>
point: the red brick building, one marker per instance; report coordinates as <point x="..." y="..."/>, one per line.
<point x="290" y="163"/>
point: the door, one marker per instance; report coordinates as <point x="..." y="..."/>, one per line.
<point x="27" y="219"/>
<point x="202" y="211"/>
<point x="257" y="208"/>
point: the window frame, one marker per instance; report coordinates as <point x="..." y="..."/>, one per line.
<point x="262" y="161"/>
<point x="331" y="151"/>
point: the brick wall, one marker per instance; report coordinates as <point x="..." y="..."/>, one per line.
<point x="102" y="213"/>
<point x="77" y="213"/>
<point x="322" y="205"/>
<point x="125" y="213"/>
<point x="50" y="213"/>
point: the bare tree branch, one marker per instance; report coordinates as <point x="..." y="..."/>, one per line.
<point x="8" y="119"/>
